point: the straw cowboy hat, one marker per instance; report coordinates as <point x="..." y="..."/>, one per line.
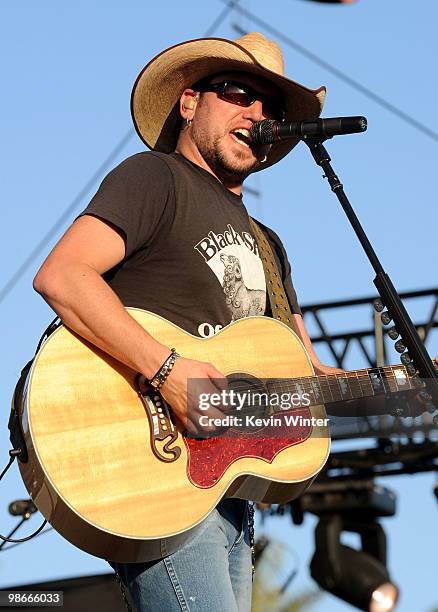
<point x="157" y="90"/>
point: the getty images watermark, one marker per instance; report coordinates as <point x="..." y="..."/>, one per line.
<point x="371" y="405"/>
<point x="274" y="413"/>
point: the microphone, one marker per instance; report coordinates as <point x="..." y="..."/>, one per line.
<point x="20" y="507"/>
<point x="270" y="131"/>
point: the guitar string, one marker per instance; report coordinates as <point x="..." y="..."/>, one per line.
<point x="322" y="385"/>
<point x="350" y="379"/>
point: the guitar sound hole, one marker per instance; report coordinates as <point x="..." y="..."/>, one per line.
<point x="250" y="398"/>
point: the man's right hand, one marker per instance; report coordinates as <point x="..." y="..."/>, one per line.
<point x="182" y="389"/>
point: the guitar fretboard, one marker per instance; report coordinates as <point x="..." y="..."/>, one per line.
<point x="355" y="384"/>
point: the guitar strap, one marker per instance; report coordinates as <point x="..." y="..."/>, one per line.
<point x="277" y="295"/>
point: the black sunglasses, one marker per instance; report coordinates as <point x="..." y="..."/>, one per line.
<point x="244" y="95"/>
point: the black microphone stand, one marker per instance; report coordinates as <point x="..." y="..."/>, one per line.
<point x="415" y="358"/>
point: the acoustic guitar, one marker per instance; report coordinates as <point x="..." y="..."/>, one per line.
<point x="116" y="475"/>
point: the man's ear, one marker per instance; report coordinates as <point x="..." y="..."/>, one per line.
<point x="188" y="102"/>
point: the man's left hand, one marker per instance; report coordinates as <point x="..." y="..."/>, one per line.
<point x="325" y="369"/>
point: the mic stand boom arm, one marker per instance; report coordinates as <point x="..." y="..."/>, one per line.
<point x="390" y="298"/>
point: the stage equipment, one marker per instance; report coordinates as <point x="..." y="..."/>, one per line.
<point x="359" y="577"/>
<point x="271" y="132"/>
<point x="340" y="343"/>
<point x="415" y="353"/>
<point x="345" y="497"/>
<point x="24" y="508"/>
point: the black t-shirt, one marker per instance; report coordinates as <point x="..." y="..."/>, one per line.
<point x="191" y="256"/>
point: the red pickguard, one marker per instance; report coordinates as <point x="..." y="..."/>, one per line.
<point x="208" y="459"/>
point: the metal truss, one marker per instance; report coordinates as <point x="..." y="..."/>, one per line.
<point x="339" y="344"/>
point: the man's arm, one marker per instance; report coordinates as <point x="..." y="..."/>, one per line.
<point x="318" y="366"/>
<point x="70" y="280"/>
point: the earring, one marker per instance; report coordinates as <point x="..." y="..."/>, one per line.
<point x="188" y="123"/>
<point x="264" y="159"/>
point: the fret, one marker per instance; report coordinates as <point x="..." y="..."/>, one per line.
<point x="325" y="388"/>
<point x="295" y="388"/>
<point x="315" y="391"/>
<point x="390" y="381"/>
<point x="365" y="383"/>
<point x="355" y="384"/>
<point x="334" y="387"/>
<point x="378" y="381"/>
<point x="309" y="385"/>
<point x="305" y="387"/>
<point x="276" y="386"/>
<point x="345" y="390"/>
<point x="401" y="378"/>
<point x="299" y="386"/>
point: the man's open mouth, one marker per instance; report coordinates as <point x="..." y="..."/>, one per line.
<point x="243" y="136"/>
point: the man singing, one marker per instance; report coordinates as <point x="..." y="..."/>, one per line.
<point x="168" y="232"/>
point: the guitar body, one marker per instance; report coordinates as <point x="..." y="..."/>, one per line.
<point x="91" y="469"/>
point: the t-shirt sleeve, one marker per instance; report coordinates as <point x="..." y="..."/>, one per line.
<point x="284" y="267"/>
<point x="137" y="197"/>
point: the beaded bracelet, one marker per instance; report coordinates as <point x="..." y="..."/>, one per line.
<point x="158" y="380"/>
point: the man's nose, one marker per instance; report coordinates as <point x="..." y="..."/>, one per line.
<point x="254" y="112"/>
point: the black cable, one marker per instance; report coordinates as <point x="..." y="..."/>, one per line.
<point x="10" y="284"/>
<point x="13" y="454"/>
<point x="11" y="461"/>
<point x="338" y="73"/>
<point x="36" y="536"/>
<point x="29" y="537"/>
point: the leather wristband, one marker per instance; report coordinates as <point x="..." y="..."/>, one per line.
<point x="160" y="377"/>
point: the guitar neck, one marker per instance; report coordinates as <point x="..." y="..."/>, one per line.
<point x="356" y="384"/>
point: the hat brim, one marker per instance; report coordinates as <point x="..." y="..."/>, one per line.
<point x="159" y="86"/>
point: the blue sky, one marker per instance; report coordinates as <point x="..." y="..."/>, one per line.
<point x="67" y="73"/>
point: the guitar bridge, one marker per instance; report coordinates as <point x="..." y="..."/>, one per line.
<point x="160" y="422"/>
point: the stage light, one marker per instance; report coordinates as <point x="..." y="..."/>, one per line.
<point x="335" y="1"/>
<point x="384" y="599"/>
<point x="362" y="580"/>
<point x="359" y="577"/>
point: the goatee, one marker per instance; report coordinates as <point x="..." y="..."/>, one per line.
<point x="230" y="174"/>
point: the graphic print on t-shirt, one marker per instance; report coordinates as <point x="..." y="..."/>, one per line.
<point x="240" y="299"/>
<point x="234" y="259"/>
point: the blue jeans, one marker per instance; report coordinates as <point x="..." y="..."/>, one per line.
<point x="210" y="573"/>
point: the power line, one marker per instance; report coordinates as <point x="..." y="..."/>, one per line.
<point x="338" y="73"/>
<point x="216" y="23"/>
<point x="39" y="248"/>
<point x="65" y="215"/>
